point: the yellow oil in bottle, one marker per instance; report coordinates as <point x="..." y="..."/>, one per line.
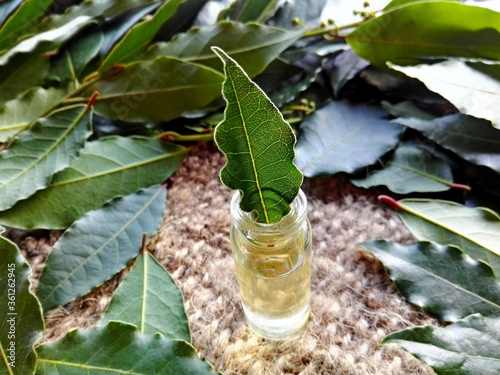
<point x="274" y="284"/>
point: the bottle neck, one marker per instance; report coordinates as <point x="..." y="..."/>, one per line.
<point x="268" y="235"/>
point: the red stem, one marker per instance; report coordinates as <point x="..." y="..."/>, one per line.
<point x="390" y="201"/>
<point x="92" y="99"/>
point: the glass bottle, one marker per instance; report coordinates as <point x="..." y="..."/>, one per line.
<point x="273" y="267"/>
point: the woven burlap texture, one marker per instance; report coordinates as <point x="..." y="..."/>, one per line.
<point x="354" y="304"/>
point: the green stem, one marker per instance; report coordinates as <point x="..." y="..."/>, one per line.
<point x="70" y="98"/>
<point x="294" y="120"/>
<point x="451" y="184"/>
<point x="176" y="137"/>
<point x="332" y="30"/>
<point x="70" y="101"/>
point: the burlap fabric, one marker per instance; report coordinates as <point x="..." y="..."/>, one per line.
<point x="354" y="304"/>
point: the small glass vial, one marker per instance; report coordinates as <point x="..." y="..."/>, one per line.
<point x="273" y="267"/>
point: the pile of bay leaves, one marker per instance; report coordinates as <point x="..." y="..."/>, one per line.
<point x="100" y="101"/>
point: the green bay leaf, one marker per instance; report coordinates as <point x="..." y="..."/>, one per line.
<point x="138" y="37"/>
<point x="13" y="75"/>
<point x="344" y="137"/>
<point x="50" y="146"/>
<point x="258" y="144"/>
<point x="107" y="168"/>
<point x="250" y="10"/>
<point x="157" y="90"/>
<point x="48" y="40"/>
<point x="17" y="115"/>
<point x="471" y="91"/>
<point x="94" y="9"/>
<point x="470" y="346"/>
<point x="72" y="59"/>
<point x="411" y="169"/>
<point x="149" y="299"/>
<point x="22" y="322"/>
<point x="471" y="138"/>
<point x="253" y="46"/>
<point x="466" y="31"/>
<point x="119" y="348"/>
<point x="439" y="278"/>
<point x="476" y="231"/>
<point x="22" y="22"/>
<point x="99" y="245"/>
<point x="7" y="7"/>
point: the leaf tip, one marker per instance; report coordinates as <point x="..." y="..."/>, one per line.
<point x="218" y="51"/>
<point x="390" y="201"/>
<point x="221" y="54"/>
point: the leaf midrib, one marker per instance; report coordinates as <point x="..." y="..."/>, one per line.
<point x="444" y="227"/>
<point x="247" y="138"/>
<point x="117" y="170"/>
<point x="144" y="289"/>
<point x="403" y="42"/>
<point x="232" y="52"/>
<point x="421" y="173"/>
<point x="328" y="149"/>
<point x="13" y="19"/>
<point x="44" y="155"/>
<point x="116" y="234"/>
<point x="86" y="366"/>
<point x="470" y="137"/>
<point x="158" y="91"/>
<point x="5" y="361"/>
<point x="445" y="281"/>
<point x="15" y="126"/>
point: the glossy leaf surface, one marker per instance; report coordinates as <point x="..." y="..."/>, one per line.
<point x="71" y="61"/>
<point x="6" y="8"/>
<point x="17" y="115"/>
<point x="471" y="91"/>
<point x="341" y="137"/>
<point x="51" y="38"/>
<point x="105" y="169"/>
<point x="439" y="279"/>
<point x="94" y="9"/>
<point x="258" y="144"/>
<point x="250" y="10"/>
<point x="121" y="24"/>
<point x="99" y="245"/>
<point x="157" y="90"/>
<point x="119" y="349"/>
<point x="411" y="169"/>
<point x="253" y="46"/>
<point x="149" y="299"/>
<point x="13" y="76"/>
<point x="476" y="231"/>
<point x="466" y="31"/>
<point x="473" y="139"/>
<point x="138" y="37"/>
<point x="21" y="22"/>
<point x="50" y="146"/>
<point x="22" y="323"/>
<point x="468" y="347"/>
<point x="346" y="66"/>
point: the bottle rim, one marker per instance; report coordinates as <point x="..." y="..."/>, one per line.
<point x="245" y="221"/>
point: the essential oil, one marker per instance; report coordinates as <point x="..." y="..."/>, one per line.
<point x="273" y="266"/>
